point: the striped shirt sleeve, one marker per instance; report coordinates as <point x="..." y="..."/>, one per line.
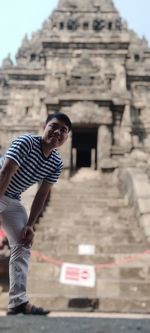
<point x="53" y="177"/>
<point x="20" y="148"/>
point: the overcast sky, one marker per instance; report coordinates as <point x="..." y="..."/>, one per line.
<point x="20" y="17"/>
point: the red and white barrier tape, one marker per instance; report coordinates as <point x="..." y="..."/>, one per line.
<point x="111" y="265"/>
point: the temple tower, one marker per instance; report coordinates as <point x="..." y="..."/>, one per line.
<point x="84" y="61"/>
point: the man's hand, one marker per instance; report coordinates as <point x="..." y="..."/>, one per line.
<point x="27" y="235"/>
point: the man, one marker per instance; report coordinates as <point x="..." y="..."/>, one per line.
<point x="30" y="159"/>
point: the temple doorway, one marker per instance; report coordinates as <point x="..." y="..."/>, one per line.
<point x="84" y="148"/>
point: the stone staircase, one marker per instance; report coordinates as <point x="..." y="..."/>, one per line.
<point x="89" y="209"/>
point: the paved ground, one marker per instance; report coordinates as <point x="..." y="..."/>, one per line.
<point x="74" y="324"/>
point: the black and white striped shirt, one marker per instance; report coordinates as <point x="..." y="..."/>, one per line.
<point x="26" y="151"/>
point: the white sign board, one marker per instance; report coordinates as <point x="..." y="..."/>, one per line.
<point x="78" y="275"/>
<point x="86" y="249"/>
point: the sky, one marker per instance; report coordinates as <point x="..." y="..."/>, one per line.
<point x="20" y="17"/>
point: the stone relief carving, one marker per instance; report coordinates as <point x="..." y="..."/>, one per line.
<point x="98" y="24"/>
<point x="141" y="88"/>
<point x="72" y="24"/>
<point x="119" y="24"/>
<point x="4" y="85"/>
<point x="86" y="4"/>
<point x="141" y="95"/>
<point x="86" y="75"/>
<point x="88" y="112"/>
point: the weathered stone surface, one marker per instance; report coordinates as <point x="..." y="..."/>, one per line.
<point x="134" y="306"/>
<point x="105" y="289"/>
<point x="139" y="155"/>
<point x="137" y="186"/>
<point x="144" y="205"/>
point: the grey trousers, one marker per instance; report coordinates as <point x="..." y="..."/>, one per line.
<point x="14" y="220"/>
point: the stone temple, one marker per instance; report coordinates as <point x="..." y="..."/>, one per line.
<point x="87" y="63"/>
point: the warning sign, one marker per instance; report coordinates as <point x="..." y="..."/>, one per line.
<point x="79" y="275"/>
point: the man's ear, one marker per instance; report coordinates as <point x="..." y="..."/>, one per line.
<point x="67" y="136"/>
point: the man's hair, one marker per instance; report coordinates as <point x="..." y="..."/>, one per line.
<point x="60" y="116"/>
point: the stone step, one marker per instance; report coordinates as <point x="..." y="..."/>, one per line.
<point x="58" y="260"/>
<point x="72" y="202"/>
<point x="102" y="304"/>
<point x="89" y="304"/>
<point x="55" y="289"/>
<point x="59" y="303"/>
<point x="87" y="194"/>
<point x="87" y="211"/>
<point x="122" y="212"/>
<point x="103" y="288"/>
<point x="82" y="185"/>
<point x="102" y="228"/>
<point x="97" y="223"/>
<point x="120" y="236"/>
<point x="60" y="228"/>
<point x="98" y="183"/>
<point x="73" y="208"/>
<point x="87" y="197"/>
<point x="71" y="217"/>
<point x="83" y="189"/>
<point x="120" y="273"/>
<point x="56" y="249"/>
<point x="70" y="247"/>
<point x="87" y="218"/>
<point x="52" y="243"/>
<point x="124" y="305"/>
<point x="96" y="214"/>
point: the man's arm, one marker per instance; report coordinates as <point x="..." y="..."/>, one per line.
<point x="8" y="169"/>
<point x="36" y="209"/>
<point x="38" y="202"/>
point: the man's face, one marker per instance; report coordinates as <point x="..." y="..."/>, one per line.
<point x="55" y="133"/>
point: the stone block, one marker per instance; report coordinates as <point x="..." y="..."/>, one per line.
<point x="108" y="274"/>
<point x="141" y="188"/>
<point x="124" y="305"/>
<point x="105" y="289"/>
<point x="135" y="290"/>
<point x="144" y="205"/>
<point x="43" y="271"/>
<point x="52" y="303"/>
<point x="134" y="273"/>
<point x="145" y="222"/>
<point x="55" y="289"/>
<point x="108" y="163"/>
<point x="139" y="155"/>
